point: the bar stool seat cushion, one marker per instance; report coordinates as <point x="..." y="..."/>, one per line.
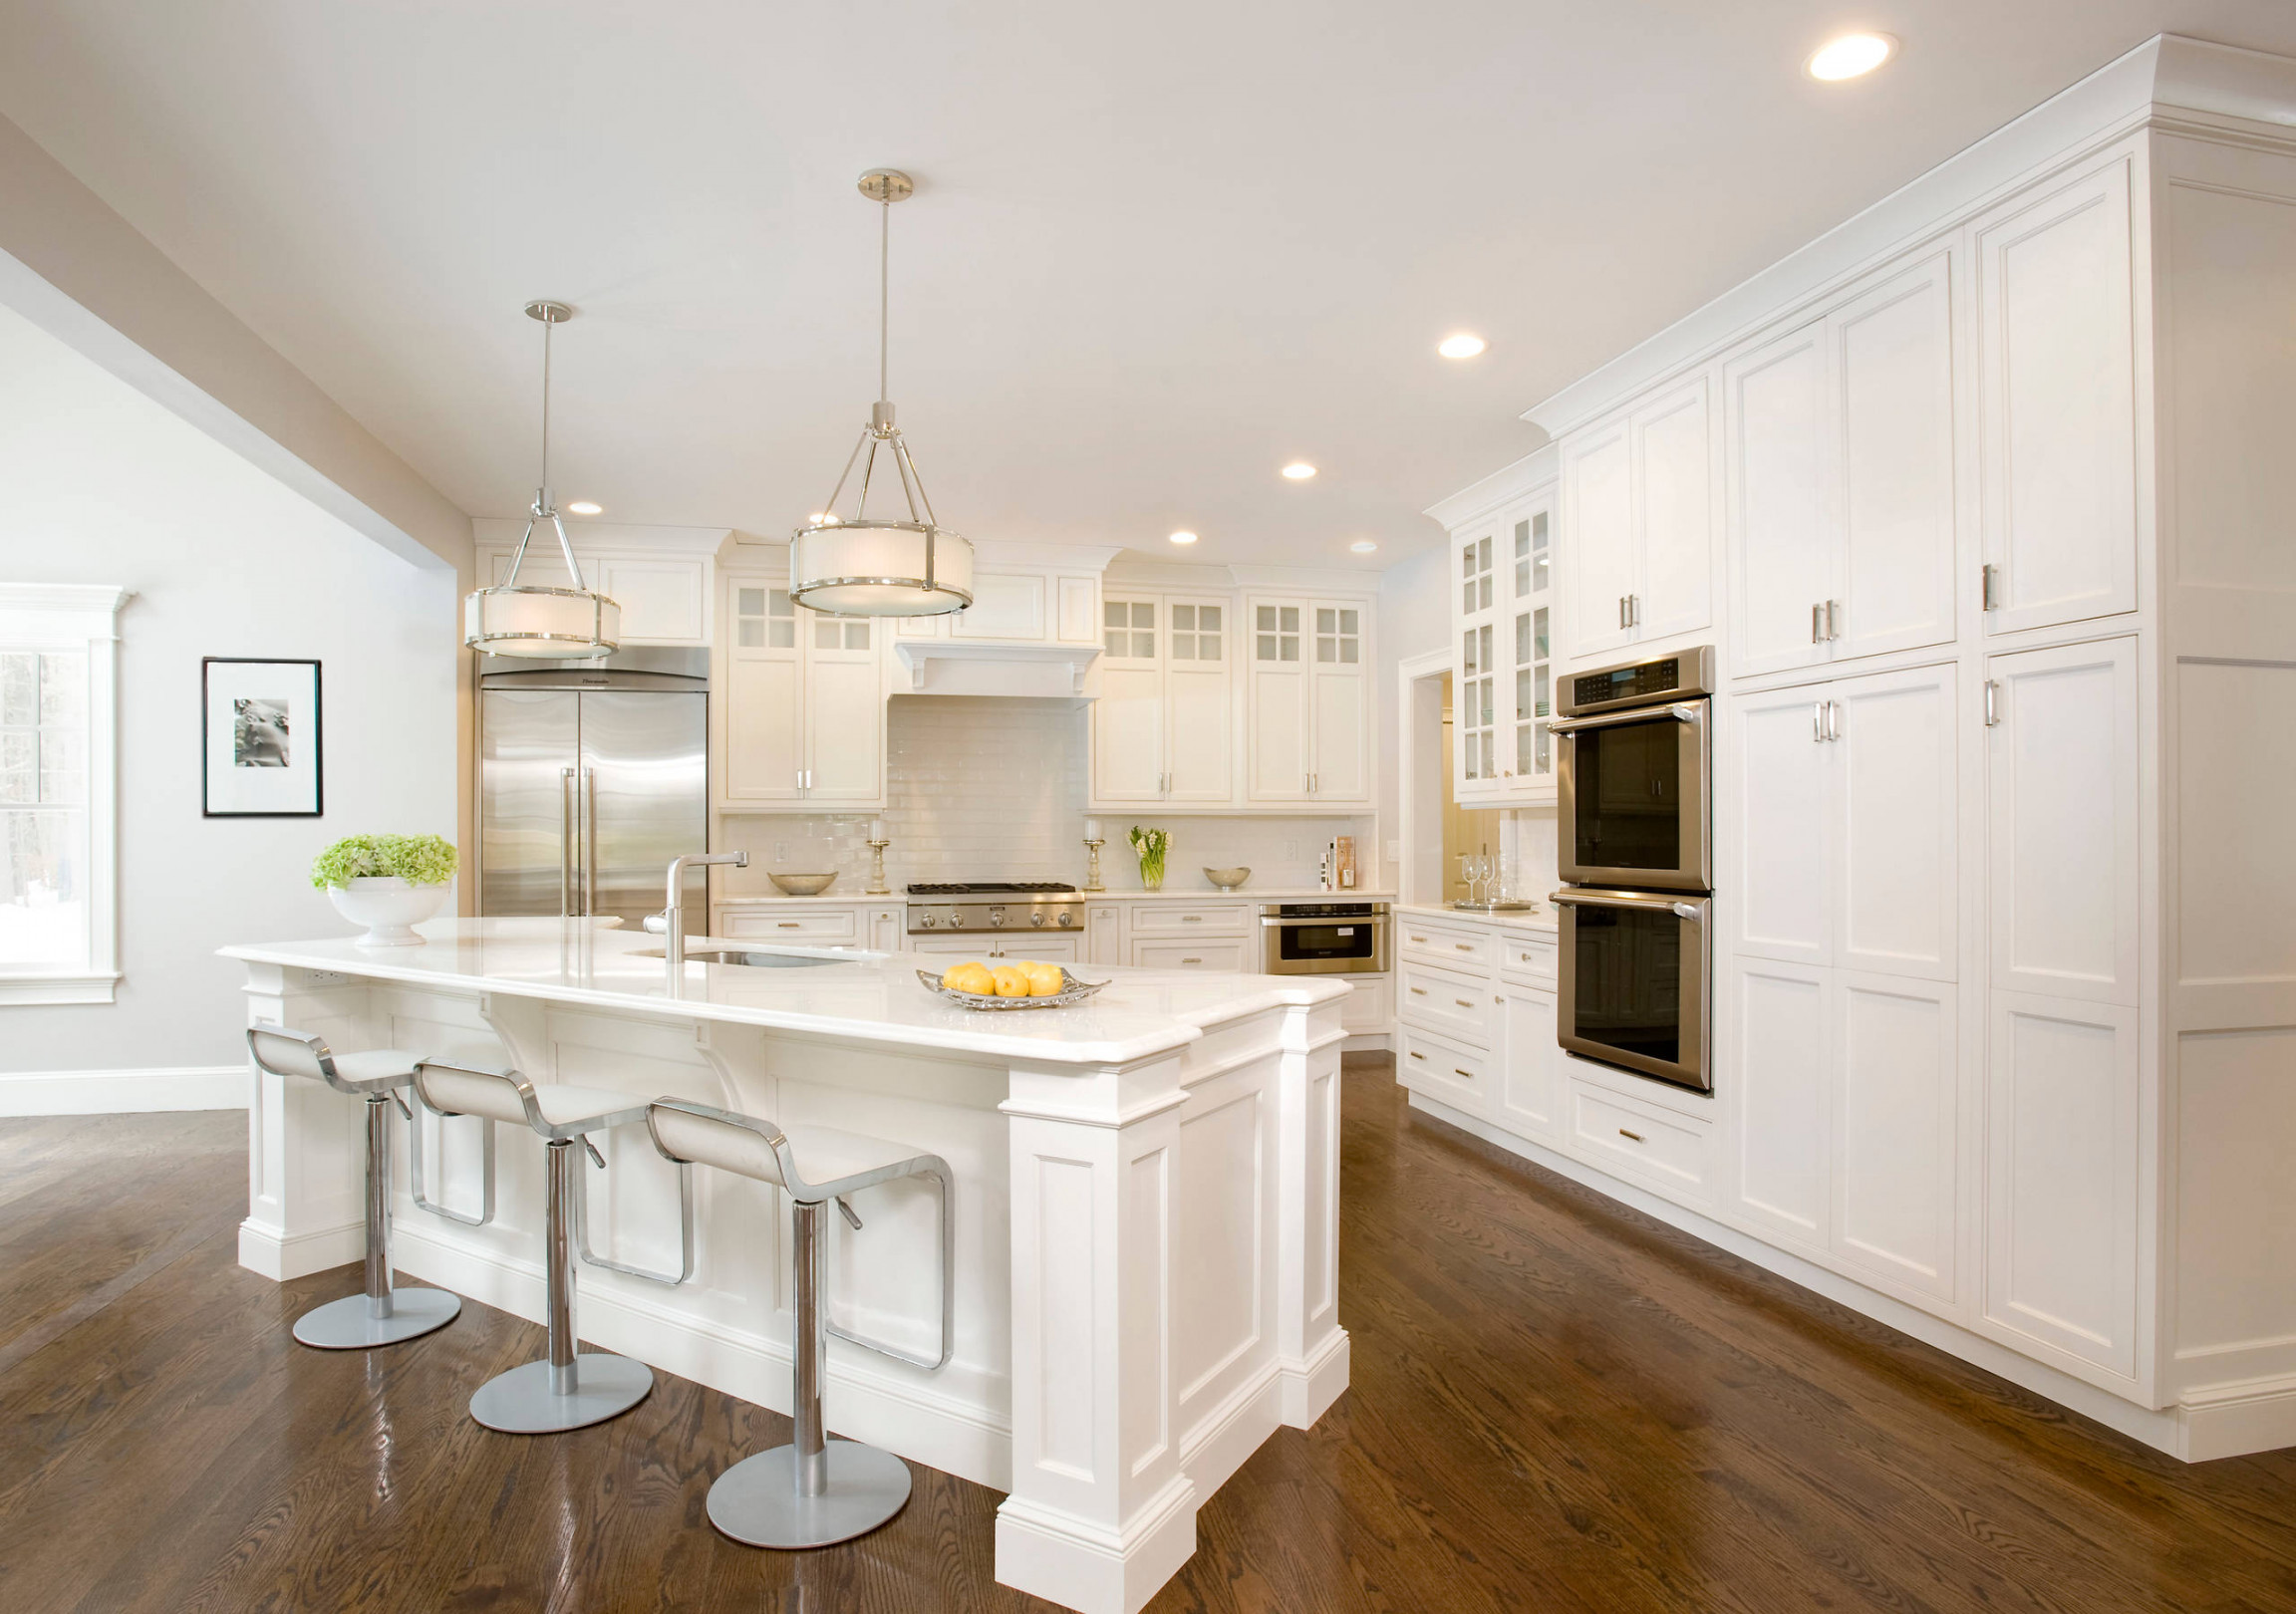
<point x="824" y="1155"/>
<point x="484" y="1093"/>
<point x="370" y="1070"/>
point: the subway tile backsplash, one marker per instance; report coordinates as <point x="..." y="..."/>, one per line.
<point x="992" y="789"/>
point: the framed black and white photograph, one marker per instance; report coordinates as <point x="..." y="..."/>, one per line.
<point x="259" y="738"/>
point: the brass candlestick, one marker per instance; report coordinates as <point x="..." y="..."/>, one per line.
<point x="877" y="886"/>
<point x="1092" y="864"/>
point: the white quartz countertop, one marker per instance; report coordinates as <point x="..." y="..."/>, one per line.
<point x="1540" y="919"/>
<point x="865" y="996"/>
<point x="1201" y="894"/>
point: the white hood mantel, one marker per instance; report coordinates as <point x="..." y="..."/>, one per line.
<point x="956" y="666"/>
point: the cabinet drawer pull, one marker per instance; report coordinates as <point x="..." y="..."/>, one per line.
<point x="1623" y="1133"/>
<point x="1420" y="1057"/>
<point x="1191" y="919"/>
<point x="1462" y="1075"/>
<point x="1418" y="991"/>
<point x="1190" y="960"/>
<point x="1462" y="1002"/>
<point x="791" y="925"/>
<point x="1464" y="947"/>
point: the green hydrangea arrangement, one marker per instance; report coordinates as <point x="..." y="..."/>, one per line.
<point x="419" y="860"/>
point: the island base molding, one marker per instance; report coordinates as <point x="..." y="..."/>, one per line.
<point x="2208" y="1421"/>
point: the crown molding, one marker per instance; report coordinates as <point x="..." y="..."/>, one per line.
<point x="1478" y="499"/>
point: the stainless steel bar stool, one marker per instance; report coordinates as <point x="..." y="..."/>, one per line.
<point x="816" y="1490"/>
<point x="569" y="1388"/>
<point x="383" y="1315"/>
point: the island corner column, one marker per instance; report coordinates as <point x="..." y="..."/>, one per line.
<point x="1100" y="1513"/>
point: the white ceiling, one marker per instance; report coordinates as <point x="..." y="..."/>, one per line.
<point x="1155" y="252"/>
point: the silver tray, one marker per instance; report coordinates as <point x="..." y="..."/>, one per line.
<point x="1074" y="993"/>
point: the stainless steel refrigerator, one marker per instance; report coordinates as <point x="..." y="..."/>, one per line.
<point x="592" y="776"/>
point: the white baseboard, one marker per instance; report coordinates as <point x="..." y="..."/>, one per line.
<point x="123" y="1091"/>
<point x="1086" y="1567"/>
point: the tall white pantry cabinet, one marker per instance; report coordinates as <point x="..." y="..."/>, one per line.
<point x="2003" y="579"/>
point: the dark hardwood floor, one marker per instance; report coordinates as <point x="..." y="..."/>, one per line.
<point x="1558" y="1404"/>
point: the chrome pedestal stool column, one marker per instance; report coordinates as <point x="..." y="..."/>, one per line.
<point x="814" y="1491"/>
<point x="383" y="1315"/>
<point x="569" y="1388"/>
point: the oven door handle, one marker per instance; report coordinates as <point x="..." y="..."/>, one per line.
<point x="1680" y="711"/>
<point x="1654" y="904"/>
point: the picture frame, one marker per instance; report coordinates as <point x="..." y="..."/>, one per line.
<point x="262" y="750"/>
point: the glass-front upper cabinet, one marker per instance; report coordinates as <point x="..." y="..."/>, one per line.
<point x="1475" y="728"/>
<point x="1531" y="636"/>
<point x="1504" y="599"/>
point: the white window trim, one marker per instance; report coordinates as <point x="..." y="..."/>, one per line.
<point x="82" y="617"/>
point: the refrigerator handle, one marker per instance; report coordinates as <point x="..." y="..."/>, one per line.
<point x="589" y="840"/>
<point x="565" y="843"/>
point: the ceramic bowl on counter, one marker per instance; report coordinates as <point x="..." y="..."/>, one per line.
<point x="1228" y="879"/>
<point x="802" y="885"/>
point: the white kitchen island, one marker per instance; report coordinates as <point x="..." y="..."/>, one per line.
<point x="1145" y="1201"/>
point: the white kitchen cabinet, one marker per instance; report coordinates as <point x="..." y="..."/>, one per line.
<point x="802" y="717"/>
<point x="663" y="596"/>
<point x="1368" y="1009"/>
<point x="1103" y="934"/>
<point x="1448" y="1071"/>
<point x="1309" y="707"/>
<point x="1895" y="1099"/>
<point x="2056" y="364"/>
<point x="1032" y="946"/>
<point x="1848" y="833"/>
<point x="1163" y="729"/>
<point x="1599" y="526"/>
<point x="1838" y="448"/>
<point x="1846" y="1139"/>
<point x="2061" y="805"/>
<point x="1637" y="520"/>
<point x="1502" y="633"/>
<point x="2060" y="1205"/>
<point x="1529" y="1092"/>
<point x="1193" y="953"/>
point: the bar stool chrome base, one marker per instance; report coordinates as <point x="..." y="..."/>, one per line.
<point x="756" y="1501"/>
<point x="522" y="1402"/>
<point x="350" y="1324"/>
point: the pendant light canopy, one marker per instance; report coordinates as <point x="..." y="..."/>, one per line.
<point x="532" y="619"/>
<point x="870" y="566"/>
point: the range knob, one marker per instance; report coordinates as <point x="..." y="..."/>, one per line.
<point x="997" y="916"/>
<point x="1036" y="920"/>
<point x="1067" y="920"/>
<point x="927" y="921"/>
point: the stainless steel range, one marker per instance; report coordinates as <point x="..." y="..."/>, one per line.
<point x="990" y="906"/>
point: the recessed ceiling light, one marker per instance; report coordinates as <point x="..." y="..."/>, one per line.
<point x="1299" y="470"/>
<point x="1851" y="56"/>
<point x="1363" y="546"/>
<point x="585" y="507"/>
<point x="1182" y="537"/>
<point x="1465" y="344"/>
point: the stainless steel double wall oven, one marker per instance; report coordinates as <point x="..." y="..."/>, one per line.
<point x="1634" y="772"/>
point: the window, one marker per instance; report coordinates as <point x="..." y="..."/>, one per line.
<point x="59" y="938"/>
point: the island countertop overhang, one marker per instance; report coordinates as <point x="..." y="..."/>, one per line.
<point x="861" y="997"/>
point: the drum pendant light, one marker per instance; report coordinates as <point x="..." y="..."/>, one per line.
<point x="869" y="566"/>
<point x="530" y="618"/>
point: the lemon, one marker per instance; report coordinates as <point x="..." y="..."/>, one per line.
<point x="1011" y="982"/>
<point x="1045" y="979"/>
<point x="971" y="978"/>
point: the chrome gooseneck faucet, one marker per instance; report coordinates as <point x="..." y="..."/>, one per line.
<point x="674" y="912"/>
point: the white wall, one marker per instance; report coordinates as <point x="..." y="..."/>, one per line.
<point x="986" y="788"/>
<point x="1414" y="618"/>
<point x="99" y="484"/>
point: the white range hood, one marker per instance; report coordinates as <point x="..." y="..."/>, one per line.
<point x="956" y="666"/>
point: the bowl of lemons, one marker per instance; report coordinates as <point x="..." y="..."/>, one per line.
<point x="1008" y="985"/>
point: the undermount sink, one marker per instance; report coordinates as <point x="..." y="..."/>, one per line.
<point x="739" y="956"/>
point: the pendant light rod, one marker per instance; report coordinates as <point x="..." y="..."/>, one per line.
<point x="546" y="508"/>
<point x="884" y="293"/>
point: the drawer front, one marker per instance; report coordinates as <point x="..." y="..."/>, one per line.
<point x="1527" y="953"/>
<point x="813" y="924"/>
<point x="1459" y="949"/>
<point x="1190" y="952"/>
<point x="1442" y="1000"/>
<point x="1443" y="1070"/>
<point x="1637" y="1142"/>
<point x="1179" y="918"/>
<point x="1063" y="949"/>
<point x="1371" y="1008"/>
